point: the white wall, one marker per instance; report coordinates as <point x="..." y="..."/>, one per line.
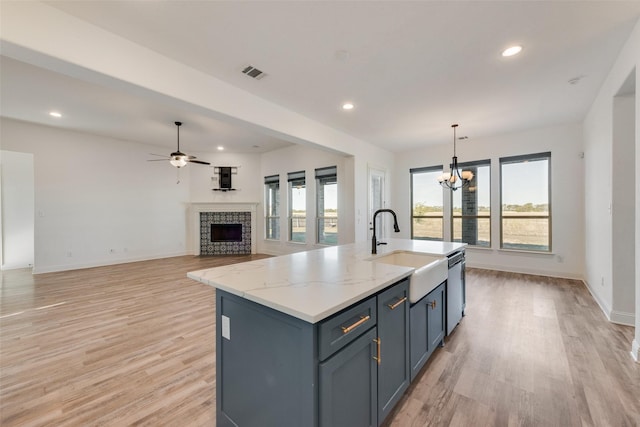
<point x="96" y="206"/>
<point x="599" y="169"/>
<point x="635" y="346"/>
<point x="17" y="210"/>
<point x="98" y="201"/>
<point x="298" y="158"/>
<point x="246" y="181"/>
<point x="623" y="269"/>
<point x="565" y="145"/>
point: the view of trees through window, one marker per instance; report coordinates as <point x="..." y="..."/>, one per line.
<point x="327" y="205"/>
<point x="297" y="207"/>
<point x="272" y="207"/>
<point x="426" y="204"/>
<point x="525" y="211"/>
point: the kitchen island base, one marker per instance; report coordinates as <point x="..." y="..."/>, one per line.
<point x="350" y="369"/>
<point x="266" y="365"/>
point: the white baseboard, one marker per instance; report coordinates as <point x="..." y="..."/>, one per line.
<point x="623" y="318"/>
<point x="532" y="271"/>
<point x="79" y="266"/>
<point x="635" y="350"/>
<point x="605" y="309"/>
<point x="6" y="267"/>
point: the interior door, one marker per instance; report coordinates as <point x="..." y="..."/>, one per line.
<point x="377" y="198"/>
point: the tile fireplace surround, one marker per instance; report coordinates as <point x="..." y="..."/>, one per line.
<point x="196" y="209"/>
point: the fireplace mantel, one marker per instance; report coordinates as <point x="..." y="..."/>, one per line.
<point x="198" y="207"/>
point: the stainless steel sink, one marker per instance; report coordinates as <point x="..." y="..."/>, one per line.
<point x="429" y="272"/>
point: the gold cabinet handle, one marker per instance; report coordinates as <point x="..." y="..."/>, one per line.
<point x="396" y="304"/>
<point x="433" y="304"/>
<point x="377" y="358"/>
<point x="347" y="329"/>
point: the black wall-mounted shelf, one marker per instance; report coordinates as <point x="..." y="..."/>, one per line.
<point x="224" y="177"/>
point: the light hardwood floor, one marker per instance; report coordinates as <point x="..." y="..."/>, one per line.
<point x="134" y="344"/>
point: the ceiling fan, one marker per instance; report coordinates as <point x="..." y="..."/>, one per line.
<point x="178" y="158"/>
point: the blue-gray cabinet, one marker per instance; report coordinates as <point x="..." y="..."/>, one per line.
<point x="266" y="366"/>
<point x="344" y="397"/>
<point x="276" y="370"/>
<point x="394" y="371"/>
<point x="427" y="325"/>
<point x="348" y="385"/>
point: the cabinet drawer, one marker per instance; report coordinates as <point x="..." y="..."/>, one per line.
<point x="339" y="330"/>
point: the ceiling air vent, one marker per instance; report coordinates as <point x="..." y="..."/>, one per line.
<point x="252" y="71"/>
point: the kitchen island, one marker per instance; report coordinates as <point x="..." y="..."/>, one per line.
<point x="319" y="337"/>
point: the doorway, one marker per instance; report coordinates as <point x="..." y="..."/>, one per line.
<point x="17" y="206"/>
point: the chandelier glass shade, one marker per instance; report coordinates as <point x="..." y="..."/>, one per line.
<point x="455" y="179"/>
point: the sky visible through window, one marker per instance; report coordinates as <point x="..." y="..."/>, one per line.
<point x="331" y="196"/>
<point x="522" y="183"/>
<point x="426" y="189"/>
<point x="525" y="182"/>
<point x="299" y="199"/>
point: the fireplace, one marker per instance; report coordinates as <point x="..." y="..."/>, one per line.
<point x="226" y="232"/>
<point x="235" y="223"/>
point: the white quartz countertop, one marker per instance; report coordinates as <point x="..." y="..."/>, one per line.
<point x="315" y="284"/>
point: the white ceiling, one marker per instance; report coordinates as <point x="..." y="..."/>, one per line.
<point x="29" y="93"/>
<point x="411" y="68"/>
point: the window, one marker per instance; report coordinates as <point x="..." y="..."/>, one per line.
<point x="327" y="205"/>
<point x="471" y="207"/>
<point x="297" y="207"/>
<point x="525" y="191"/>
<point x="272" y="207"/>
<point x="426" y="204"/>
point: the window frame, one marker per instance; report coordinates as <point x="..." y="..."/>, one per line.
<point x="272" y="182"/>
<point x="412" y="171"/>
<point x="323" y="174"/>
<point x="523" y="159"/>
<point x="291" y="178"/>
<point x="462" y="166"/>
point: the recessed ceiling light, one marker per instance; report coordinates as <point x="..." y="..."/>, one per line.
<point x="511" y="51"/>
<point x="220" y="148"/>
<point x="347" y="106"/>
<point x="55" y="114"/>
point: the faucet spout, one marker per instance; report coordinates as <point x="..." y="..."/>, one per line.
<point x="374" y="240"/>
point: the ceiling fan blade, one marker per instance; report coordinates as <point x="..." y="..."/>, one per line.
<point x="158" y="160"/>
<point x="159" y="155"/>
<point x="198" y="161"/>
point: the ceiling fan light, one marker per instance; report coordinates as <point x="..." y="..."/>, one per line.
<point x="178" y="161"/>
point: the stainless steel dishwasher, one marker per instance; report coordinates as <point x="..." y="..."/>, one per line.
<point x="456" y="297"/>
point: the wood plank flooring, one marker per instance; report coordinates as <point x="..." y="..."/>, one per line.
<point x="133" y="344"/>
<point x="531" y="351"/>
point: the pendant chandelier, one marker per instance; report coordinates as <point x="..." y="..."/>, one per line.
<point x="455" y="179"/>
